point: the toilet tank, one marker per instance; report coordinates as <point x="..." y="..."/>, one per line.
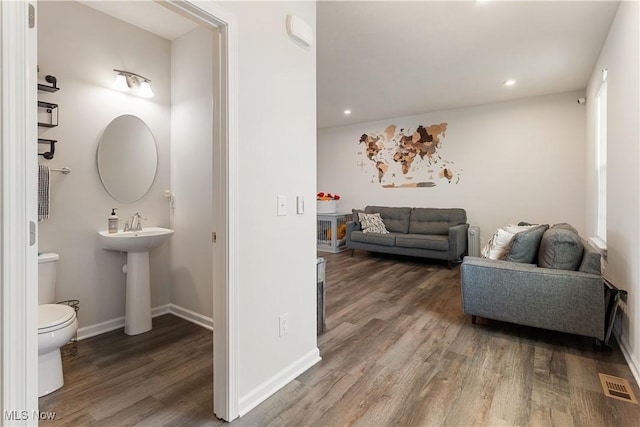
<point x="47" y="270"/>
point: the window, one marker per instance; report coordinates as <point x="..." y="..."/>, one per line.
<point x="601" y="160"/>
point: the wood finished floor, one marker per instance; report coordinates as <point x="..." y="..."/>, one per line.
<point x="397" y="351"/>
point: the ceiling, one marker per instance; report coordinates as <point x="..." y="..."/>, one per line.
<point x="391" y="59"/>
<point x="146" y="14"/>
<point x="384" y="59"/>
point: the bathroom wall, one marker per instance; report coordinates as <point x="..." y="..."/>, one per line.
<point x="81" y="47"/>
<point x="191" y="174"/>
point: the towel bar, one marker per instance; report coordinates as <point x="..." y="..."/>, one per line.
<point x="65" y="170"/>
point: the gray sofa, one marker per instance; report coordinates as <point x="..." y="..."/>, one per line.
<point x="553" y="293"/>
<point x="419" y="232"/>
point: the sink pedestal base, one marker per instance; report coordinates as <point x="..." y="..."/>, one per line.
<point x="137" y="244"/>
<point x="137" y="317"/>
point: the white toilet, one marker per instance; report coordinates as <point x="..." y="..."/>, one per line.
<point x="57" y="324"/>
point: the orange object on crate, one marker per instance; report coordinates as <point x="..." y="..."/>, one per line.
<point x="342" y="232"/>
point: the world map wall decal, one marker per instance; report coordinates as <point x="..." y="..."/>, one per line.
<point x="400" y="158"/>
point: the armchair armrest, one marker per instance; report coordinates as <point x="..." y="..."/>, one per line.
<point x="351" y="226"/>
<point x="457" y="240"/>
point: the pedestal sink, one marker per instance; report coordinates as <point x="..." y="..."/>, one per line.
<point x="136" y="244"/>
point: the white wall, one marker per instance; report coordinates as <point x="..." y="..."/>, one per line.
<point x="191" y="171"/>
<point x="81" y="47"/>
<point x="620" y="56"/>
<point x="520" y="161"/>
<point x="277" y="155"/>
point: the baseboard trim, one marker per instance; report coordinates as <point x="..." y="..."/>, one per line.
<point x="632" y="361"/>
<point x="276" y="382"/>
<point x="117" y="323"/>
<point x="160" y="310"/>
<point x="191" y="316"/>
<point x="100" y="328"/>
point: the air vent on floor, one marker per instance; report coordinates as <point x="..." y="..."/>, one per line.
<point x="617" y="388"/>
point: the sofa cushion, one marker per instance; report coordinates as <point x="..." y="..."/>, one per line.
<point x="565" y="226"/>
<point x="372" y="223"/>
<point x="435" y="221"/>
<point x="395" y="219"/>
<point x="388" y="239"/>
<point x="356" y="218"/>
<point x="591" y="261"/>
<point x="561" y="249"/>
<point x="524" y="245"/>
<point x="424" y="241"/>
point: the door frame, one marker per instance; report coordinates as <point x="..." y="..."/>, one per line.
<point x="18" y="210"/>
<point x="225" y="200"/>
<point x="19" y="250"/>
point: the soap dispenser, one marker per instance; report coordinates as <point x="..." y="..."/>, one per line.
<point x="113" y="221"/>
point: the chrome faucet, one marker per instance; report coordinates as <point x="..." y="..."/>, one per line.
<point x="136" y="224"/>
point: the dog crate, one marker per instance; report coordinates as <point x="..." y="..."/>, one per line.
<point x="332" y="231"/>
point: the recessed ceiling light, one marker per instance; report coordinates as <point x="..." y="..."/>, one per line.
<point x="509" y="82"/>
<point x="347" y="112"/>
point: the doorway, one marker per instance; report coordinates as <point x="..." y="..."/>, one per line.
<point x="225" y="202"/>
<point x="19" y="305"/>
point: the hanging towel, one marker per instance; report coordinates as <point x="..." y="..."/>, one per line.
<point x="43" y="192"/>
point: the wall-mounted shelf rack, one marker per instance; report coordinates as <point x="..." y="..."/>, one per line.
<point x="51" y="112"/>
<point x="48" y="115"/>
<point x="52" y="148"/>
<point x="46" y="88"/>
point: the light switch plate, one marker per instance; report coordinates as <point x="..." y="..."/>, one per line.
<point x="282" y="205"/>
<point x="300" y="204"/>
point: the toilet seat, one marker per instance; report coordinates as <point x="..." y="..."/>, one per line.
<point x="52" y="317"/>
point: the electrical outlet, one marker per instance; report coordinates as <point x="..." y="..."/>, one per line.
<point x="284" y="324"/>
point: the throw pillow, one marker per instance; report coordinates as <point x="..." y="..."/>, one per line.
<point x="518" y="228"/>
<point x="499" y="243"/>
<point x="496" y="247"/>
<point x="524" y="245"/>
<point x="484" y="252"/>
<point x="521" y="223"/>
<point x="565" y="226"/>
<point x="372" y="223"/>
<point x="560" y="249"/>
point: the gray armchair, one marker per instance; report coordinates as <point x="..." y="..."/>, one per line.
<point x="559" y="300"/>
<point x="550" y="278"/>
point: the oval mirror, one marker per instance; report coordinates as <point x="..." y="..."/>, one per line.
<point x="127" y="158"/>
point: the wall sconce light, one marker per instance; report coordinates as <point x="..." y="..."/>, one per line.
<point x="126" y="81"/>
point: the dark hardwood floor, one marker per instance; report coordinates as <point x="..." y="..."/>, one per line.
<point x="162" y="377"/>
<point x="397" y="351"/>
